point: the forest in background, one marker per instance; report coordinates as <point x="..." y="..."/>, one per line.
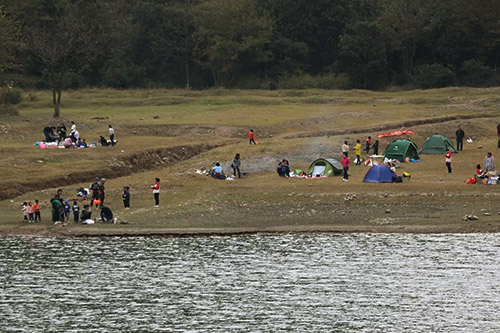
<point x="249" y="44"/>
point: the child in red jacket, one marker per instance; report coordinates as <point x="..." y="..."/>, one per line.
<point x="251" y="137"/>
<point x="448" y="159"/>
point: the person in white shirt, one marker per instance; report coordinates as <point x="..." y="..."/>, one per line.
<point x="112" y="135"/>
<point x="73" y="127"/>
<point x="345" y="148"/>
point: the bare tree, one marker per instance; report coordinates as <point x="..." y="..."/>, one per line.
<point x="57" y="43"/>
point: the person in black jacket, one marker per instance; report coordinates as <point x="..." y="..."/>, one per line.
<point x="126" y="197"/>
<point x="106" y="214"/>
<point x="460" y="138"/>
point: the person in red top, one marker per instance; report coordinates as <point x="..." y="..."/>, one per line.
<point x="345" y="164"/>
<point x="368" y="144"/>
<point x="156" y="192"/>
<point x="36" y="209"/>
<point x="251" y="137"/>
<point x="448" y="159"/>
<point x="479" y="172"/>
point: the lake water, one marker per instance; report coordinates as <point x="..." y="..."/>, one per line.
<point x="252" y="283"/>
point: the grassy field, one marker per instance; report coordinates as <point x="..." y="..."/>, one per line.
<point x="289" y="124"/>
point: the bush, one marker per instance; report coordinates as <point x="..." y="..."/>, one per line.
<point x="10" y="96"/>
<point x="306" y="81"/>
<point x="474" y="73"/>
<point x="433" y="76"/>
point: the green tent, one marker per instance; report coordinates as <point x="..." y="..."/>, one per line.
<point x="437" y="144"/>
<point x="325" y="167"/>
<point x="401" y="149"/>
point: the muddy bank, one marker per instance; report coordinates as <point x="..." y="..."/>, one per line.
<point x="60" y="231"/>
<point x="118" y="167"/>
<point x="390" y="126"/>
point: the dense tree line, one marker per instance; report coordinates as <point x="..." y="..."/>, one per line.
<point x="368" y="44"/>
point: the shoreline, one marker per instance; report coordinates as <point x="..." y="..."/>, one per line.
<point x="59" y="231"/>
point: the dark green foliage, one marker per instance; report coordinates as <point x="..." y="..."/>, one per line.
<point x="433" y="76"/>
<point x="368" y="44"/>
<point x="10" y="96"/>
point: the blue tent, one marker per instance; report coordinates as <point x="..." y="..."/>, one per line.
<point x="379" y="174"/>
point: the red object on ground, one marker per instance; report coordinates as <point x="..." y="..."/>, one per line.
<point x="396" y="133"/>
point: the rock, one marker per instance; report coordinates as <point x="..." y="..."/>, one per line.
<point x="388" y="211"/>
<point x="470" y="218"/>
<point x="40" y="161"/>
<point x="156" y="117"/>
<point x="487" y="214"/>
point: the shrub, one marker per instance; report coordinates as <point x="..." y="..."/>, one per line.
<point x="306" y="81"/>
<point x="474" y="73"/>
<point x="433" y="76"/>
<point x="10" y="96"/>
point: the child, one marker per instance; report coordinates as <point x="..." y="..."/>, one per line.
<point x="345" y="164"/>
<point x="86" y="213"/>
<point x="357" y="149"/>
<point x="251" y="137"/>
<point x="67" y="210"/>
<point x="76" y="211"/>
<point x="368" y="143"/>
<point x="448" y="160"/>
<point x="25" y="211"/>
<point x="375" y="148"/>
<point x="31" y="212"/>
<point x="126" y="197"/>
<point x="36" y="209"/>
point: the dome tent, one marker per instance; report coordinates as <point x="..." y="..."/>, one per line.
<point x="379" y="174"/>
<point x="401" y="149"/>
<point x="437" y="144"/>
<point x="325" y="167"/>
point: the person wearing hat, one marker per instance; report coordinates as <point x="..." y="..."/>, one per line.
<point x="94" y="188"/>
<point x="101" y="190"/>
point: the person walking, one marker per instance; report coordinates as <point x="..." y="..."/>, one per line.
<point x="489" y="162"/>
<point x="345" y="164"/>
<point x="156" y="192"/>
<point x="235" y="164"/>
<point x="102" y="189"/>
<point x="448" y="160"/>
<point x="345" y="148"/>
<point x="111" y="135"/>
<point x="251" y="137"/>
<point x="460" y="134"/>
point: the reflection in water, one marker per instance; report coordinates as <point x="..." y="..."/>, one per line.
<point x="314" y="282"/>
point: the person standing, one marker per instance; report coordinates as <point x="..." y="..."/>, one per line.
<point x="126" y="197"/>
<point x="489" y="162"/>
<point x="357" y="150"/>
<point x="235" y="164"/>
<point x="460" y="138"/>
<point x="368" y="144"/>
<point x="375" y="148"/>
<point x="73" y="127"/>
<point x="345" y="165"/>
<point x="251" y="137"/>
<point x="498" y="134"/>
<point x="111" y="135"/>
<point x="36" y="209"/>
<point x="94" y="187"/>
<point x="102" y="189"/>
<point x="31" y="212"/>
<point x="76" y="211"/>
<point x="156" y="192"/>
<point x="448" y="160"/>
<point x="345" y="148"/>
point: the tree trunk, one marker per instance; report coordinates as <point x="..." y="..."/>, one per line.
<point x="56" y="99"/>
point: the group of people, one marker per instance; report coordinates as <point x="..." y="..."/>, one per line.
<point x="60" y="136"/>
<point x="218" y="173"/>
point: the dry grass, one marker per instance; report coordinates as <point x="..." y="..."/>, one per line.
<point x="261" y="200"/>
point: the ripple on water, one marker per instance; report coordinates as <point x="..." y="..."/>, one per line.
<point x="313" y="282"/>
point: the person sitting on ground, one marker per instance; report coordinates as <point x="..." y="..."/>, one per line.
<point x="67" y="143"/>
<point x="86" y="213"/>
<point x="82" y="143"/>
<point x="391" y="165"/>
<point x="217" y="172"/>
<point x="103" y="141"/>
<point x="479" y="172"/>
<point x="61" y="130"/>
<point x="106" y="214"/>
<point x="283" y="168"/>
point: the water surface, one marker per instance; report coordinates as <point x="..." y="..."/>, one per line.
<point x="253" y="283"/>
